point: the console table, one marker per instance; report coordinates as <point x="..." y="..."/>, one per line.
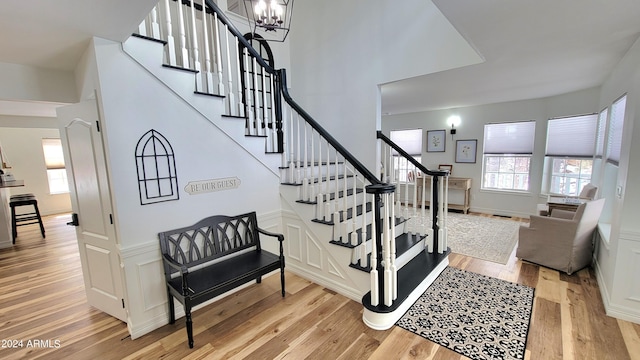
<point x="455" y="184"/>
<point x="564" y="203"/>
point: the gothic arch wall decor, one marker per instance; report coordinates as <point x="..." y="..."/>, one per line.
<point x="156" y="167"/>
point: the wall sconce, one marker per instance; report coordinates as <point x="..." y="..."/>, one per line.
<point x="453" y="121"/>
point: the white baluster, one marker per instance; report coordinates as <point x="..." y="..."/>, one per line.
<point x="184" y="53"/>
<point x="230" y="95"/>
<point x="142" y="28"/>
<point x="364" y="261"/>
<point x="355" y="255"/>
<point x="320" y="208"/>
<point x="415" y="188"/>
<point x="219" y="66"/>
<point x="195" y="48"/>
<point x="336" y="181"/>
<point x="298" y="155"/>
<point x="312" y="160"/>
<point x="171" y="46"/>
<point x="208" y="68"/>
<point x="327" y="210"/>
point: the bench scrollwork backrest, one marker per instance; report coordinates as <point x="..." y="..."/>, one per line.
<point x="209" y="239"/>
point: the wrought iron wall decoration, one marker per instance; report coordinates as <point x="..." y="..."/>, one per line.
<point x="156" y="167"/>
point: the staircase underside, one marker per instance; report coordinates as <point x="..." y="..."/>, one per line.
<point x="413" y="280"/>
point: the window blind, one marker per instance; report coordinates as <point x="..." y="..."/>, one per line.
<point x="509" y="138"/>
<point x="602" y="127"/>
<point x="53" y="156"/>
<point x="573" y="136"/>
<point x="409" y="140"/>
<point x="616" y="123"/>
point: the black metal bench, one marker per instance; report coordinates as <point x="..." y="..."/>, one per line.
<point x="215" y="255"/>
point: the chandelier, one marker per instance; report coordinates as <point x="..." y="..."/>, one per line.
<point x="270" y="16"/>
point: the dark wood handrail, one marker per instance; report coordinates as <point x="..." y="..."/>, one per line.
<point x="330" y="139"/>
<point x="282" y="84"/>
<point x="225" y="20"/>
<point x="410" y="158"/>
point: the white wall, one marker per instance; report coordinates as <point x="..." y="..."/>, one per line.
<point x="132" y="102"/>
<point x="618" y="256"/>
<point x="337" y="63"/>
<point x="23" y="146"/>
<point x="472" y="127"/>
<point x="22" y="82"/>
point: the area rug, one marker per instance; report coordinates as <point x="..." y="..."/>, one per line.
<point x="487" y="238"/>
<point x="474" y="315"/>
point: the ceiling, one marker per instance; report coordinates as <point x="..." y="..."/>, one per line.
<point x="54" y="35"/>
<point x="532" y="49"/>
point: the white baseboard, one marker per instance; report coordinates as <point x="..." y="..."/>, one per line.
<point x="612" y="309"/>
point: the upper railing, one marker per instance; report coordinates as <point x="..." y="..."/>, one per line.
<point x="413" y="181"/>
<point x="226" y="64"/>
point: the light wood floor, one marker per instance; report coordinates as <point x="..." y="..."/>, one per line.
<point x="42" y="298"/>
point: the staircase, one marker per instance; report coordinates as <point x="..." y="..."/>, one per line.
<point x="349" y="213"/>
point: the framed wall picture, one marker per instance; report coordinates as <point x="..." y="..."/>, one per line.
<point x="436" y="140"/>
<point x="466" y="151"/>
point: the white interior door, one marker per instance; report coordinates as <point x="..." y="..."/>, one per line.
<point x="91" y="203"/>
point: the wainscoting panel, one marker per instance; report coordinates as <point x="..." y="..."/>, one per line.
<point x="621" y="298"/>
<point x="293" y="238"/>
<point x="314" y="252"/>
<point x="310" y="255"/>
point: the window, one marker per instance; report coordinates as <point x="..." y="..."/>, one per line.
<point x="571" y="143"/>
<point x="616" y="123"/>
<point x="54" y="161"/>
<point x="411" y="142"/>
<point x="507" y="155"/>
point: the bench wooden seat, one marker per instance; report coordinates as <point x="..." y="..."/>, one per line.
<point x="215" y="255"/>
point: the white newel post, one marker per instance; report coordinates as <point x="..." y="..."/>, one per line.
<point x="386" y="252"/>
<point x="375" y="291"/>
<point x="394" y="270"/>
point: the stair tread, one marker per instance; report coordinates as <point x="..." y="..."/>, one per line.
<point x="409" y="277"/>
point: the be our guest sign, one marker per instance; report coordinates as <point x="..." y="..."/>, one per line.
<point x="207" y="186"/>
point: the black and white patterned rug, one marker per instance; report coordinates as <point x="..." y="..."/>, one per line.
<point x="475" y="315"/>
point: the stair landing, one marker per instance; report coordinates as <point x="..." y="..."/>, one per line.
<point x="413" y="280"/>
